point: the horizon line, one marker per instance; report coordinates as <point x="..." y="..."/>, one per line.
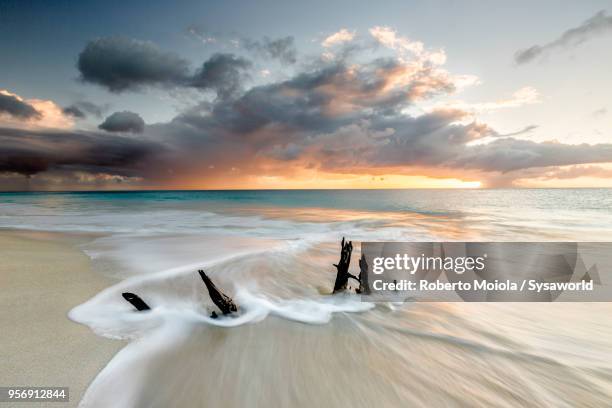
<point x="302" y="189"/>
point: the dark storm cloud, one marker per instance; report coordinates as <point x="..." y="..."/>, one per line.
<point x="323" y="99"/>
<point x="31" y="152"/>
<point x="428" y="140"/>
<point x="282" y="49"/>
<point x="297" y="103"/>
<point x="437" y="140"/>
<point x="505" y="155"/>
<point x="121" y="64"/>
<point x="599" y="24"/>
<point x="11" y="105"/>
<point x="124" y="121"/>
<point x="222" y="73"/>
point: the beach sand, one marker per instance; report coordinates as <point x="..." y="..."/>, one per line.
<point x="43" y="276"/>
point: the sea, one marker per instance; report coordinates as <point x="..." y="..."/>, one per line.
<point x="293" y="344"/>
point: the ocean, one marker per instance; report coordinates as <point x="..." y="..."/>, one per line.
<point x="295" y="345"/>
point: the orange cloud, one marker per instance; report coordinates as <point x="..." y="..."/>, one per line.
<point x="50" y="115"/>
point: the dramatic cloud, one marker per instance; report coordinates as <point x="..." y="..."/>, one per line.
<point x="31" y="152"/>
<point x="434" y="141"/>
<point x="282" y="49"/>
<point x="325" y="98"/>
<point x="350" y="119"/>
<point x="339" y="37"/>
<point x="125" y="121"/>
<point x="508" y="154"/>
<point x="121" y="64"/>
<point x="597" y="25"/>
<point x="12" y="105"/>
<point x="366" y="113"/>
<point x="31" y="113"/>
<point x="222" y="73"/>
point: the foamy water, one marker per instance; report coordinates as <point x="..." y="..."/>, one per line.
<point x="292" y="344"/>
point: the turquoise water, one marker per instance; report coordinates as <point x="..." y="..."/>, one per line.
<point x="421" y="201"/>
<point x="547" y="214"/>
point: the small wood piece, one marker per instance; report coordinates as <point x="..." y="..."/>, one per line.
<point x="343" y="275"/>
<point x="136" y="301"/>
<point x="223" y="302"/>
<point x="364" y="288"/>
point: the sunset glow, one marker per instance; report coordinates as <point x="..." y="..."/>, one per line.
<point x="382" y="105"/>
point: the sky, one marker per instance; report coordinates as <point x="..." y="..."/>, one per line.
<point x="318" y="94"/>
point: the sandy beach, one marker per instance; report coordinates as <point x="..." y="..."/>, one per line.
<point x="43" y="276"/>
<point x="291" y="344"/>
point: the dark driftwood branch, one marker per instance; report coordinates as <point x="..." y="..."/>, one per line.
<point x="223" y="302"/>
<point x="363" y="276"/>
<point x="136" y="301"/>
<point x="227" y="305"/>
<point x="343" y="275"/>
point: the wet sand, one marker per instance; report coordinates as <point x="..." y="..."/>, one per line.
<point x="43" y="276"/>
<point x="412" y="354"/>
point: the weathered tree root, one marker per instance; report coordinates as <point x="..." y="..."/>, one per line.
<point x="223" y="302"/>
<point x="136" y="301"/>
<point x="343" y="275"/>
<point x="227" y="306"/>
<point x="363" y="276"/>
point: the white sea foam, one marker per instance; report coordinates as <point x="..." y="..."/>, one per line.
<point x="109" y="315"/>
<point x="180" y="306"/>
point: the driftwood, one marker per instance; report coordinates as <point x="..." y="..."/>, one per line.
<point x="223" y="302"/>
<point x="343" y="275"/>
<point x="136" y="301"/>
<point x="227" y="305"/>
<point x="363" y="276"/>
